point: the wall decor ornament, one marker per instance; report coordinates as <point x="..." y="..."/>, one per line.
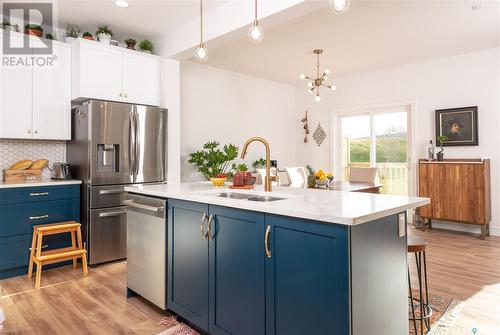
<point x="305" y="121"/>
<point x="319" y="135"/>
<point x="458" y="125"/>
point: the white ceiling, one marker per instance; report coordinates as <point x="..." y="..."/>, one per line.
<point x="371" y="35"/>
<point x="142" y="19"/>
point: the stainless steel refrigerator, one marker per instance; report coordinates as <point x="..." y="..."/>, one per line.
<point x="114" y="145"/>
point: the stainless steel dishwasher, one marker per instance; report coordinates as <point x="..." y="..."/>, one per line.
<point x="147" y="248"/>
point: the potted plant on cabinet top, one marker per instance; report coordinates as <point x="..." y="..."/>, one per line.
<point x="104" y="34"/>
<point x="146" y="46"/>
<point x="130" y="42"/>
<point x="72" y="33"/>
<point x="88" y="36"/>
<point x="440" y="154"/>
<point x="214" y="163"/>
<point x="33" y="29"/>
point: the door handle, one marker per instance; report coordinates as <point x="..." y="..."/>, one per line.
<point x="38" y="194"/>
<point x="209" y="232"/>
<point x="203" y="233"/>
<point x="131" y="144"/>
<point x="110" y="214"/>
<point x="266" y="242"/>
<point x="131" y="203"/>
<point x="105" y="192"/>
<point x="137" y="155"/>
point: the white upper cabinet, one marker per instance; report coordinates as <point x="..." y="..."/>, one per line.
<point x="35" y="101"/>
<point x="108" y="72"/>
<point x="52" y="97"/>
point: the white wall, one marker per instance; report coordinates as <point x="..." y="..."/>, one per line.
<point x="231" y="107"/>
<point x="463" y="80"/>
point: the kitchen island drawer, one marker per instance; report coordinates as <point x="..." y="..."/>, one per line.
<point x="38" y="194"/>
<point x="17" y="219"/>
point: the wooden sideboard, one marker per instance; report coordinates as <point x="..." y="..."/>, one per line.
<point x="459" y="190"/>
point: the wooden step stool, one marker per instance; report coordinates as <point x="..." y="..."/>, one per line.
<point x="57" y="255"/>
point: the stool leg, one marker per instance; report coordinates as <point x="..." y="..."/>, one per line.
<point x="39" y="264"/>
<point x="32" y="253"/>
<point x="73" y="244"/>
<point x="418" y="259"/>
<point x="80" y="246"/>
<point x="411" y="303"/>
<point x="427" y="321"/>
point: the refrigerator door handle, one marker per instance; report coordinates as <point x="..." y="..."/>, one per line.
<point x="131" y="144"/>
<point x="137" y="155"/>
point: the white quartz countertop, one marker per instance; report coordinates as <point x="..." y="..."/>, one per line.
<point x="46" y="182"/>
<point x="348" y="208"/>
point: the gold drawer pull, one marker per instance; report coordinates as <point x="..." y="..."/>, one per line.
<point x="39" y="217"/>
<point x="266" y="241"/>
<point x="38" y="194"/>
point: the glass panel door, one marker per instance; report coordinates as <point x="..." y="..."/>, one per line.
<point x="379" y="139"/>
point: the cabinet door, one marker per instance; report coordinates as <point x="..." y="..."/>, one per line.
<point x="425" y="186"/>
<point x="187" y="262"/>
<point x="100" y="72"/>
<point x="52" y="97"/>
<point x="15" y="97"/>
<point x="307" y="278"/>
<point x="237" y="272"/>
<point x="141" y="79"/>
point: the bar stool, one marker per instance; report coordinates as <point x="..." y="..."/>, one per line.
<point x="418" y="246"/>
<point x="57" y="255"/>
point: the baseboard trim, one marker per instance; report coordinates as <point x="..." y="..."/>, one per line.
<point x="494" y="231"/>
<point x="462" y="227"/>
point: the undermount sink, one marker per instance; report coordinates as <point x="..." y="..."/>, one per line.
<point x="249" y="197"/>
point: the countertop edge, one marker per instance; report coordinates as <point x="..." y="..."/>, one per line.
<point x="41" y="183"/>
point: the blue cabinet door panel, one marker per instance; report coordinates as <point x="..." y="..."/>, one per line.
<point x="16" y="219"/>
<point x="187" y="262"/>
<point x="307" y="278"/>
<point x="237" y="277"/>
<point x="38" y="193"/>
<point x="14" y="251"/>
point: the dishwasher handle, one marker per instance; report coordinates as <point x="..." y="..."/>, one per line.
<point x="157" y="211"/>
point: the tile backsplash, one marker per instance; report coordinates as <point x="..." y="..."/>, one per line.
<point x="12" y="151"/>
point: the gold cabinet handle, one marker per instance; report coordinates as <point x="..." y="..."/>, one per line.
<point x="39" y="217"/>
<point x="210" y="235"/>
<point x="202" y="231"/>
<point x="266" y="241"/>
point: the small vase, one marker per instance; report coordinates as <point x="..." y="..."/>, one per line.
<point x="440" y="156"/>
<point x="104" y="38"/>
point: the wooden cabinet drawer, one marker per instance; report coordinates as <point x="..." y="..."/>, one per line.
<point x="15" y="251"/>
<point x="38" y="194"/>
<point x="17" y="219"/>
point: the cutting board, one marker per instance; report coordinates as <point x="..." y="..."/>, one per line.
<point x="21" y="176"/>
<point x="244" y="187"/>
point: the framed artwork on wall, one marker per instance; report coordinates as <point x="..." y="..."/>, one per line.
<point x="459" y="125"/>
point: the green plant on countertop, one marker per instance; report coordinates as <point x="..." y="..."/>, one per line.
<point x="240" y="167"/>
<point x="211" y="160"/>
<point x="440" y="140"/>
<point x="130" y="42"/>
<point x="311" y="178"/>
<point x="33" y="27"/>
<point x="72" y="30"/>
<point x="104" y="30"/>
<point x="50" y="36"/>
<point x="259" y="163"/>
<point x="87" y="35"/>
<point x="146" y="46"/>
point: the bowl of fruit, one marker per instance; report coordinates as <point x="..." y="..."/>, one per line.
<point x="219" y="180"/>
<point x="323" y="179"/>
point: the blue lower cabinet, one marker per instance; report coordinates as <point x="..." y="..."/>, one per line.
<point x="237" y="272"/>
<point x="307" y="278"/>
<point x="188" y="262"/>
<point x="21" y="209"/>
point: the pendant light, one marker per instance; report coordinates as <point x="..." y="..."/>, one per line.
<point x="201" y="53"/>
<point x="339" y="6"/>
<point x="319" y="80"/>
<point x="256" y="33"/>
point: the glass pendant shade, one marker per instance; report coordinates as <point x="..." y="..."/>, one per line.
<point x="317" y="98"/>
<point x="201" y="54"/>
<point x="256" y="33"/>
<point x="339" y="6"/>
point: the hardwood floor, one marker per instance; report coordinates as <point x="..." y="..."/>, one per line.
<point x="460" y="266"/>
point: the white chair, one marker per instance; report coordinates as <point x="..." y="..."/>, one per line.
<point x="296" y="176"/>
<point x="283" y="178"/>
<point x="362" y="174"/>
<point x="262" y="174"/>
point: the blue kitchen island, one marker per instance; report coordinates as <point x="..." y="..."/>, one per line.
<point x="308" y="262"/>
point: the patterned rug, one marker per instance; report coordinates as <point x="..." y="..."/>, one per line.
<point x="444" y="312"/>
